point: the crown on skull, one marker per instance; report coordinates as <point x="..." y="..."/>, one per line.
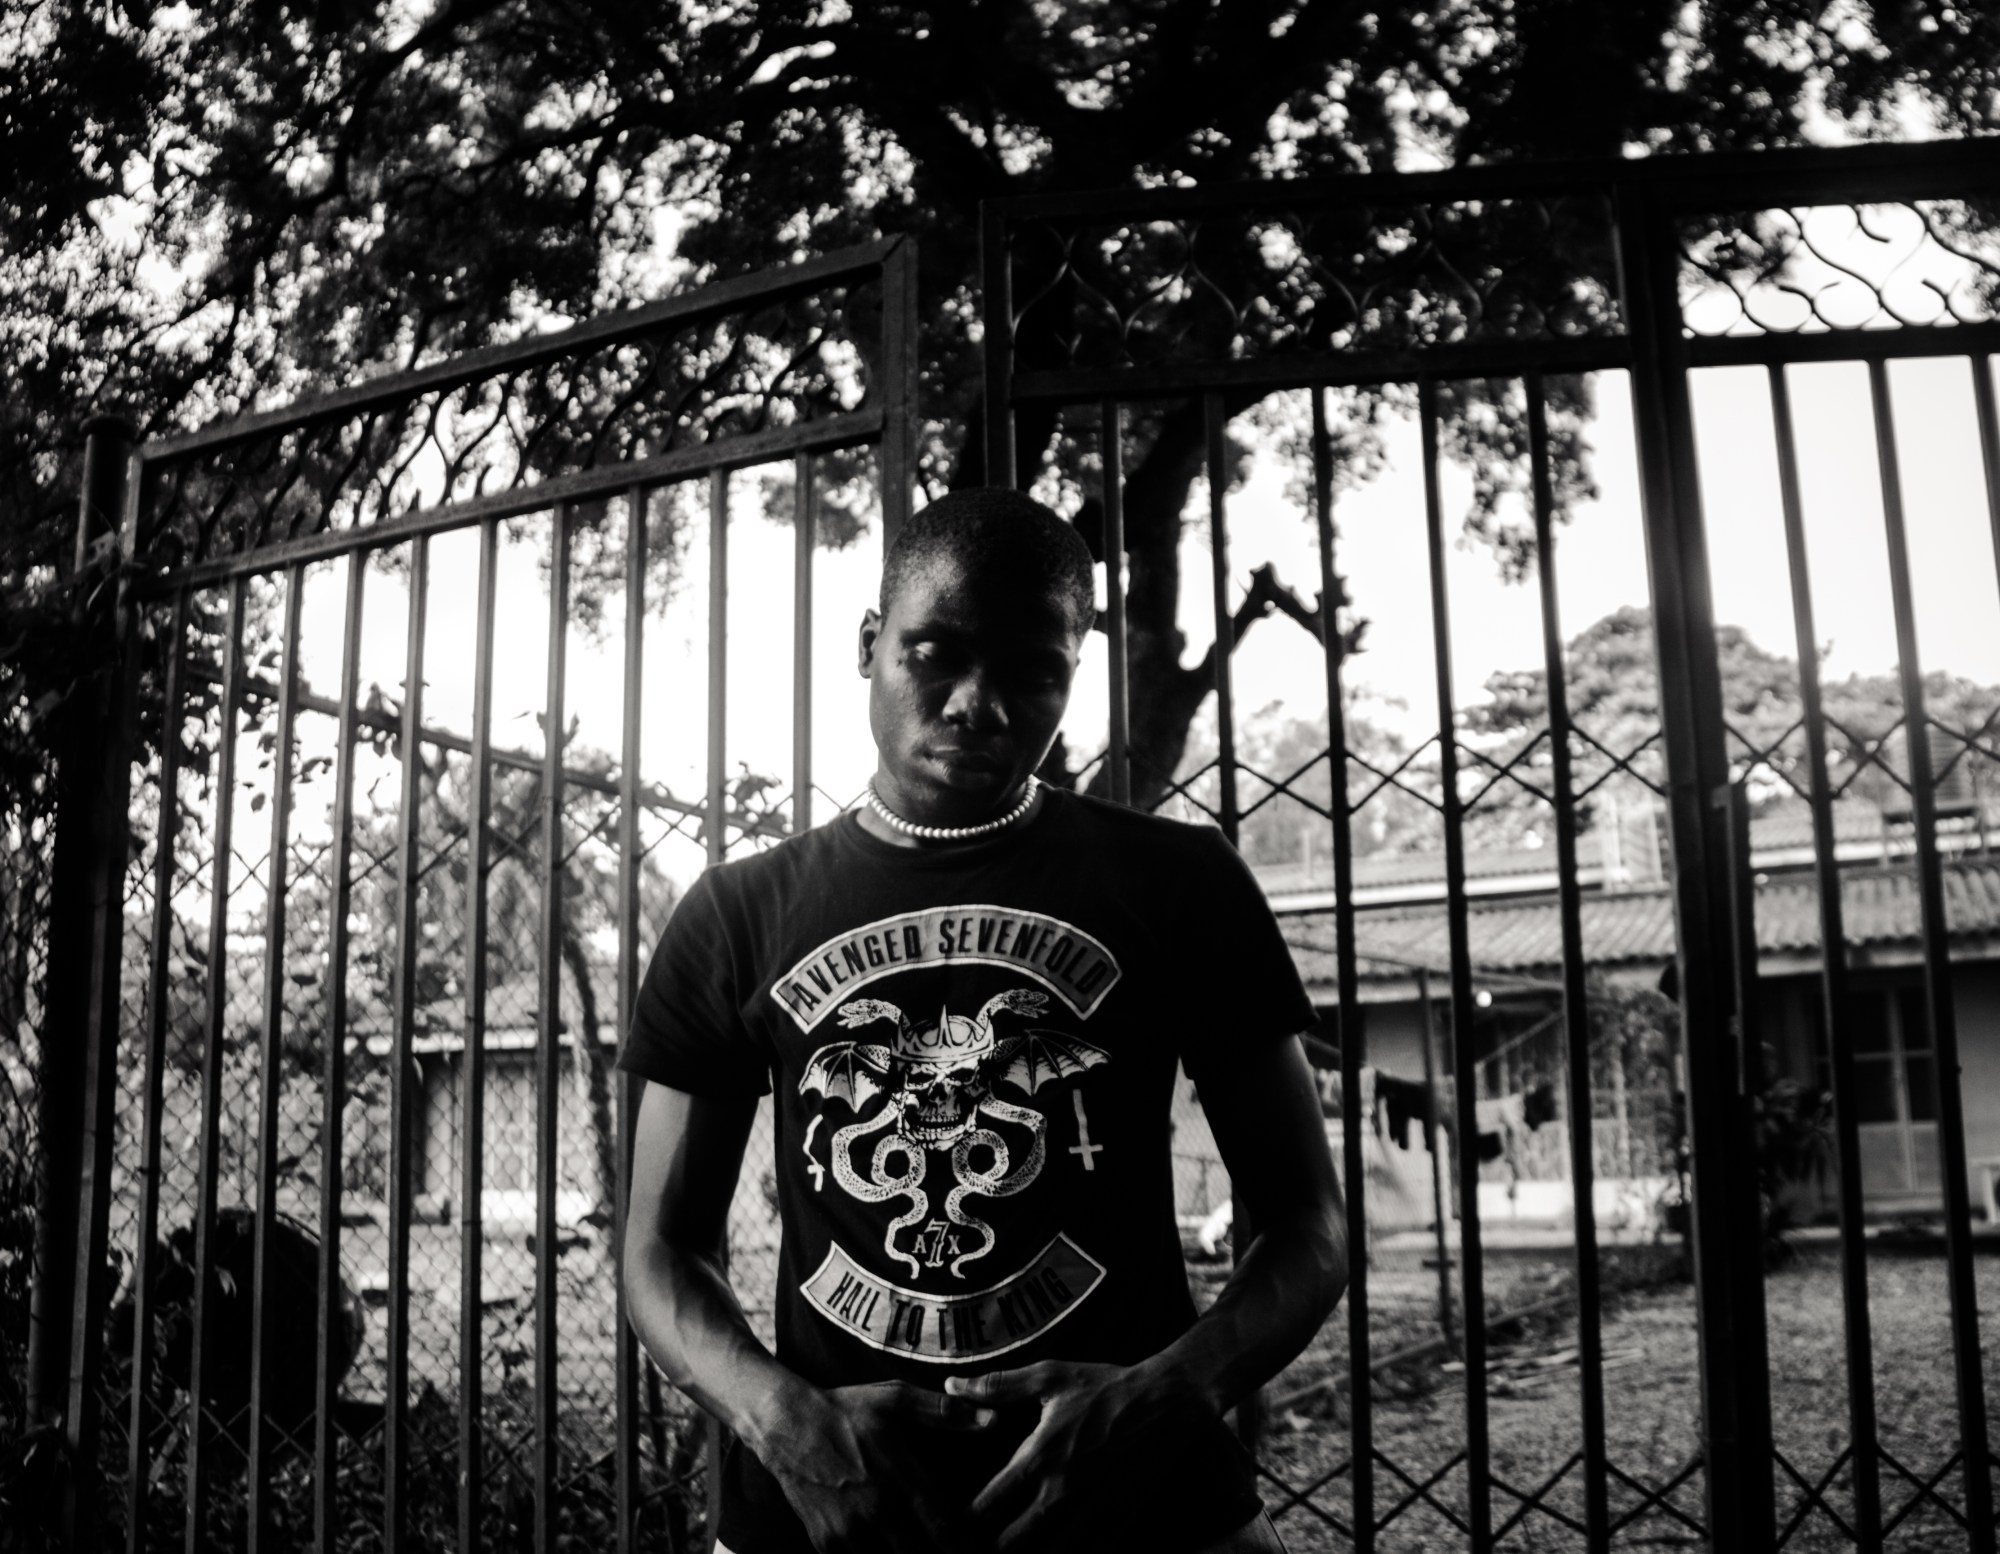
<point x="954" y="1040"/>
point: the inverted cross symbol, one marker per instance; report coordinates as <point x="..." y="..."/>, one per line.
<point x="1083" y="1146"/>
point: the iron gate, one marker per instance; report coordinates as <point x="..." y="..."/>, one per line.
<point x="377" y="1026"/>
<point x="1175" y="310"/>
<point x="1522" y="277"/>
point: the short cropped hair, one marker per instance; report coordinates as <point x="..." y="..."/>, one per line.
<point x="997" y="533"/>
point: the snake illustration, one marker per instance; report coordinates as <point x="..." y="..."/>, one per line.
<point x="879" y="1187"/>
<point x="995" y="1181"/>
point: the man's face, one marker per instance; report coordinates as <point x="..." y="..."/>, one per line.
<point x="968" y="681"/>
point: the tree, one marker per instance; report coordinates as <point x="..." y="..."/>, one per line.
<point x="211" y="207"/>
<point x="1293" y="751"/>
<point x="1611" y="686"/>
<point x="1612" y="690"/>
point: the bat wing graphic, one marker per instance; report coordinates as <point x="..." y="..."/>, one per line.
<point x="1041" y="1057"/>
<point x="850" y="1071"/>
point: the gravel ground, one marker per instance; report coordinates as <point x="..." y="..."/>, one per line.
<point x="1652" y="1408"/>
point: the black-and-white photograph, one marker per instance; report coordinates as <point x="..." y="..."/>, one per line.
<point x="1020" y="777"/>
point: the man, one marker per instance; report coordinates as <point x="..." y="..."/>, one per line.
<point x="969" y="999"/>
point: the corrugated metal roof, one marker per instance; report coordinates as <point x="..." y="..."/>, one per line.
<point x="1376" y="870"/>
<point x="1879" y="905"/>
<point x="1789" y="824"/>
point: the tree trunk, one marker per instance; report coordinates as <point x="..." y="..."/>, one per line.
<point x="1165" y="694"/>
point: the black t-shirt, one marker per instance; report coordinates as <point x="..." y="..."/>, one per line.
<point x="973" y="1054"/>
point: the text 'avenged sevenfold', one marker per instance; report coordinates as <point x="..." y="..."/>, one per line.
<point x="1070" y="963"/>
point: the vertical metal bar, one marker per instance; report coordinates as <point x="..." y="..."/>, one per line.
<point x="402" y="1118"/>
<point x="716" y="820"/>
<point x="1215" y="427"/>
<point x="472" y="1064"/>
<point x="108" y="786"/>
<point x="549" y="1027"/>
<point x="222" y="839"/>
<point x="1838" y="1011"/>
<point x="78" y="1113"/>
<point x="1250" y="1413"/>
<point x="1989" y="446"/>
<point x="277" y="874"/>
<point x="1111" y="436"/>
<point x="996" y="284"/>
<point x="626" y="1355"/>
<point x="1977" y="1474"/>
<point x="1576" y="999"/>
<point x="138" y="1460"/>
<point x="333" y="1082"/>
<point x="1353" y="1039"/>
<point x="1989" y="459"/>
<point x="717" y="830"/>
<point x="1464" y="1048"/>
<point x="1447" y="1319"/>
<point x="1743" y="934"/>
<point x="897" y="454"/>
<point x="1729" y="1286"/>
<point x="805" y="535"/>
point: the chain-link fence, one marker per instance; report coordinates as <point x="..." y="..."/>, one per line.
<point x="26" y="848"/>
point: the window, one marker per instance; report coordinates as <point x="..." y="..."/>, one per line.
<point x="1895" y="1073"/>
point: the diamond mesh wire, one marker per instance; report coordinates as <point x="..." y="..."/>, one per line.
<point x="27" y="834"/>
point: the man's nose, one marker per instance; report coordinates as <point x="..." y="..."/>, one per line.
<point x="976" y="702"/>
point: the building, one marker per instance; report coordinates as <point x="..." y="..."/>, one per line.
<point x="1628" y="943"/>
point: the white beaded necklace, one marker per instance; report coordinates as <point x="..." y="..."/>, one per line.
<point x="896" y="822"/>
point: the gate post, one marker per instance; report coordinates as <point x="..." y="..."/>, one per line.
<point x="92" y="841"/>
<point x="1728" y="1232"/>
<point x="81" y="752"/>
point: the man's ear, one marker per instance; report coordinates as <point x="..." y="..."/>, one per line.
<point x="871" y="633"/>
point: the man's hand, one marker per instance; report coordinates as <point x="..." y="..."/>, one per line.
<point x="842" y="1457"/>
<point x="1099" y="1424"/>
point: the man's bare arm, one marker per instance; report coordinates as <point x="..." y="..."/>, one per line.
<point x="1264" y="1112"/>
<point x="838" y="1454"/>
<point x="687" y="1154"/>
<point x="1265" y="1115"/>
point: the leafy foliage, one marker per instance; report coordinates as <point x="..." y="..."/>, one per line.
<point x="213" y="207"/>
<point x="1613" y="691"/>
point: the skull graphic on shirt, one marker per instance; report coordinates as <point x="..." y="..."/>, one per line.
<point x="936" y="1083"/>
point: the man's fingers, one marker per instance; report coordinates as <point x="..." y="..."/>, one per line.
<point x="955" y="1413"/>
<point x="947" y="1410"/>
<point x="1003" y="1387"/>
<point x="1014" y="1486"/>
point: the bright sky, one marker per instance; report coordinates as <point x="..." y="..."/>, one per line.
<point x="1382" y="551"/>
<point x="1600" y="567"/>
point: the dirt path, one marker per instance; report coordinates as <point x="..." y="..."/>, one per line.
<point x="1652" y="1406"/>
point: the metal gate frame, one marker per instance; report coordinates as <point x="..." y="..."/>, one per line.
<point x="246" y="530"/>
<point x="1648" y="199"/>
<point x="1645" y="201"/>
